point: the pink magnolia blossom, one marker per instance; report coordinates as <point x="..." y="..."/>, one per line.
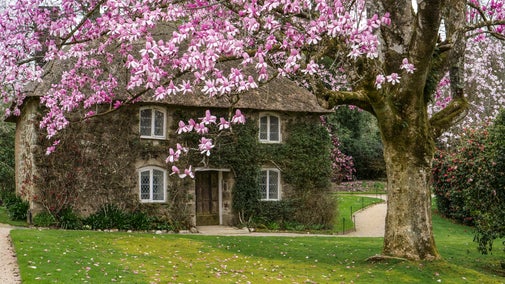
<point x="394" y="78"/>
<point x="407" y="66"/>
<point x="238" y="118"/>
<point x="379" y="80"/>
<point x="205" y="146"/>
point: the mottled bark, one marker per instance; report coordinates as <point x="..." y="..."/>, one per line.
<point x="409" y="231"/>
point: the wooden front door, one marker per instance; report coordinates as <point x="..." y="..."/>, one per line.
<point x="207" y="198"/>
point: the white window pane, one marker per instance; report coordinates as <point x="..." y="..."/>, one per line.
<point x="263" y="184"/>
<point x="264" y="128"/>
<point x="145" y="122"/>
<point x="274" y="128"/>
<point x="159" y="123"/>
<point x="145" y="185"/>
<point x="273" y="185"/>
<point x="158" y="186"/>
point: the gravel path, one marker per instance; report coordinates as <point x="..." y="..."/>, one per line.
<point x="9" y="271"/>
<point x="370" y="222"/>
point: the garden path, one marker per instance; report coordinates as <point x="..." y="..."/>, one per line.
<point x="370" y="222"/>
<point x="9" y="271"/>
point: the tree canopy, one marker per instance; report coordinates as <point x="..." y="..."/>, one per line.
<point x="386" y="57"/>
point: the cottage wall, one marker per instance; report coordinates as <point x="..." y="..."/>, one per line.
<point x="26" y="147"/>
<point x="98" y="163"/>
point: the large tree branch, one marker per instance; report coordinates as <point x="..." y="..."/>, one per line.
<point x="330" y="99"/>
<point x="444" y="119"/>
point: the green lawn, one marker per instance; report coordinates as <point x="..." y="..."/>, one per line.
<point x="4" y="219"/>
<point x="57" y="256"/>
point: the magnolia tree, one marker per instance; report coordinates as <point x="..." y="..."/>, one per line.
<point x="385" y="57"/>
<point x="484" y="77"/>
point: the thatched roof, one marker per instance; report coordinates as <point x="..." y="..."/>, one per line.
<point x="279" y="94"/>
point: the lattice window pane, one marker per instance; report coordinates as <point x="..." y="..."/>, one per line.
<point x="158" y="185"/>
<point x="145" y="122"/>
<point x="159" y="123"/>
<point x="274" y="128"/>
<point x="263" y="184"/>
<point x="264" y="128"/>
<point x="273" y="185"/>
<point x="145" y="185"/>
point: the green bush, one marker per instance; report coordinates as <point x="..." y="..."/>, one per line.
<point x="17" y="208"/>
<point x="274" y="214"/>
<point x="359" y="138"/>
<point x="112" y="217"/>
<point x="67" y="219"/>
<point x="44" y="219"/>
<point x="108" y="217"/>
<point x="455" y="172"/>
<point x="469" y="182"/>
<point x="7" y="131"/>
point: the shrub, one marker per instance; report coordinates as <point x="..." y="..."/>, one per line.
<point x="455" y="172"/>
<point x="17" y="208"/>
<point x="360" y="139"/>
<point x="274" y="214"/>
<point x="67" y="219"/>
<point x="112" y="217"/>
<point x="44" y="219"/>
<point x="469" y="182"/>
<point x="108" y="216"/>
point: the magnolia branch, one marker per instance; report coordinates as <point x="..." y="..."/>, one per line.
<point x="444" y="119"/>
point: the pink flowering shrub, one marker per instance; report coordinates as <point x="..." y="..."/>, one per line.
<point x="469" y="182"/>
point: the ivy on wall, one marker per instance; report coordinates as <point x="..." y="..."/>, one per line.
<point x="304" y="162"/>
<point x="96" y="158"/>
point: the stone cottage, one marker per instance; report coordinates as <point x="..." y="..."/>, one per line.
<point x="119" y="158"/>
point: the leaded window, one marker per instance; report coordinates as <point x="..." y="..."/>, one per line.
<point x="152" y="182"/>
<point x="270" y="184"/>
<point x="270" y="129"/>
<point x="152" y="123"/>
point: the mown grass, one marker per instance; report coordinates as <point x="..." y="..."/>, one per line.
<point x="57" y="256"/>
<point x="4" y="219"/>
<point x="348" y="204"/>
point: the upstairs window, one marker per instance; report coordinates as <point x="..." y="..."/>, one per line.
<point x="270" y="129"/>
<point x="152" y="182"/>
<point x="270" y="180"/>
<point x="152" y="123"/>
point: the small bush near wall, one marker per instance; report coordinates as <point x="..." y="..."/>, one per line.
<point x="16" y="207"/>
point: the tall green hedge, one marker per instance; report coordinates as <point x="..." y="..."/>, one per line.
<point x="469" y="182"/>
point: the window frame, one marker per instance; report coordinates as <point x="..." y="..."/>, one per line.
<point x="152" y="135"/>
<point x="151" y="170"/>
<point x="268" y="131"/>
<point x="279" y="185"/>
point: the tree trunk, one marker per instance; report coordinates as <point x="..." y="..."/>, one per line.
<point x="409" y="232"/>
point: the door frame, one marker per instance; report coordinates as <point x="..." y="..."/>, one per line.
<point x="220" y="188"/>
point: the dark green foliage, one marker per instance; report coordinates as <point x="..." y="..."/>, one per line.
<point x="360" y="138"/>
<point x="44" y="219"/>
<point x="67" y="219"/>
<point x="305" y="156"/>
<point x="469" y="182"/>
<point x="16" y="207"/>
<point x="7" y="157"/>
<point x="455" y="172"/>
<point x="279" y="213"/>
<point x="108" y="216"/>
<point x="112" y="217"/>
